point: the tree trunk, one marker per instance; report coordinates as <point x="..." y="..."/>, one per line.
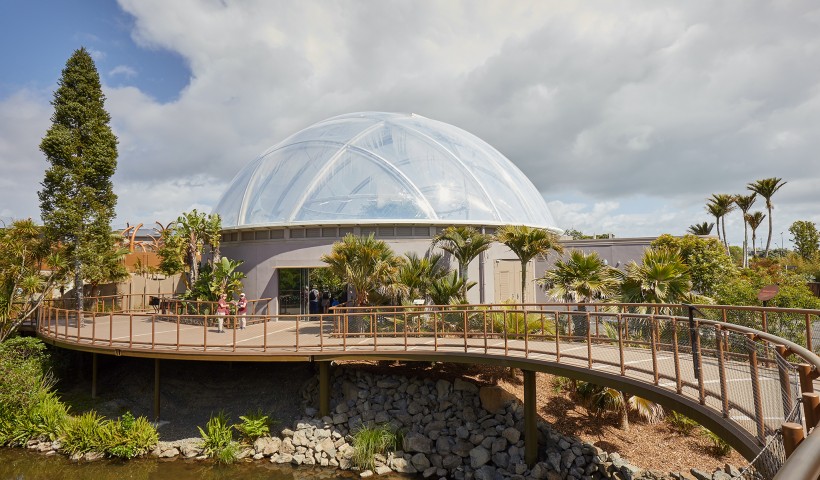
<point x="624" y="413"/>
<point x="725" y="243"/>
<point x="78" y="286"/>
<point x="769" y="240"/>
<point x="524" y="285"/>
<point x="745" y="243"/>
<point x="754" y="245"/>
<point x="462" y="272"/>
<point x="717" y="227"/>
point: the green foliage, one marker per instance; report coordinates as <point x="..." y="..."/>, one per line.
<point x="417" y="274"/>
<point x="23" y="250"/>
<point x="130" y="437"/>
<point x="464" y="244"/>
<point x="86" y="433"/>
<point x="448" y="289"/>
<point x="46" y="418"/>
<point x="367" y="264"/>
<point x="578" y="235"/>
<point x="254" y="425"/>
<point x="719" y="446"/>
<point x="183" y="242"/>
<point x="370" y="440"/>
<point x="77" y="201"/>
<point x="806" y="239"/>
<point x="216" y="279"/>
<point x="580" y="278"/>
<point x="704" y="228"/>
<point x="527" y="243"/>
<point x="681" y="423"/>
<point x="662" y="277"/>
<point x="217" y="439"/>
<point x="766" y="188"/>
<point x="706" y="259"/>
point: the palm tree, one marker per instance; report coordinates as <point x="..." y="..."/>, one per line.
<point x="527" y="243"/>
<point x="580" y="278"/>
<point x="724" y="204"/>
<point x="367" y="264"/>
<point x="766" y="188"/>
<point x="463" y="243"/>
<point x="716" y="212"/>
<point x="598" y="399"/>
<point x="417" y="273"/>
<point x="447" y="289"/>
<point x="662" y="277"/>
<point x="744" y="203"/>
<point x="704" y="228"/>
<point x="754" y="220"/>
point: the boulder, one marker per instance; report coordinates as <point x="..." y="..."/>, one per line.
<point x="420" y="462"/>
<point x="267" y="446"/>
<point x="415" y="442"/>
<point x="511" y="434"/>
<point x="479" y="456"/>
<point x="494" y="398"/>
<point x="461" y="386"/>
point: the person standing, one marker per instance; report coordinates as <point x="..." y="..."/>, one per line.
<point x="221" y="311"/>
<point x="242" y="310"/>
<point x="313" y="299"/>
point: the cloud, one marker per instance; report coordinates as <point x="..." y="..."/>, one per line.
<point x="124" y="70"/>
<point x="625" y="115"/>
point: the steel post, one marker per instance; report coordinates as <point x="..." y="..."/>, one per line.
<point x="530" y="420"/>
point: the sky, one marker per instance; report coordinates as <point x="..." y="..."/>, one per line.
<point x="626" y="115"/>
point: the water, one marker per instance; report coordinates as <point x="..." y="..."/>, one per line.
<point x="19" y="464"/>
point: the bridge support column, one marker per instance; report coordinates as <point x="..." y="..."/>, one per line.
<point x="792" y="436"/>
<point x="324" y="388"/>
<point x="93" y="375"/>
<point x="156" y="389"/>
<point x="530" y="420"/>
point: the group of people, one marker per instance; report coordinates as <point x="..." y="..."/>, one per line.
<point x="222" y="310"/>
<point x="318" y="302"/>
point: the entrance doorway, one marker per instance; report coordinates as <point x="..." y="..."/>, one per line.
<point x="295" y="283"/>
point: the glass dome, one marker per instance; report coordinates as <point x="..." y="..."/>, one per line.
<point x="372" y="167"/>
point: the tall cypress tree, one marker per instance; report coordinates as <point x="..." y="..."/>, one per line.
<point x="77" y="200"/>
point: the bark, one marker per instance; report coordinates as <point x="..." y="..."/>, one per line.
<point x="769" y="240"/>
<point x="78" y="286"/>
<point x="745" y="242"/>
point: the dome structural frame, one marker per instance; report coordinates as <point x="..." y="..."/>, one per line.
<point x="381" y="168"/>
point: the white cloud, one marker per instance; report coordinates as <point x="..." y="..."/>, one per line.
<point x="124" y="70"/>
<point x="606" y="102"/>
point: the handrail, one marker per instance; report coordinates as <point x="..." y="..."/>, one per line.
<point x="804" y="463"/>
<point x="616" y="344"/>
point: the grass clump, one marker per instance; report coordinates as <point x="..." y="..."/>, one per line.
<point x="217" y="439"/>
<point x="719" y="446"/>
<point x="85" y="433"/>
<point x="370" y="440"/>
<point x="254" y="425"/>
<point x="130" y="437"/>
<point x="681" y="423"/>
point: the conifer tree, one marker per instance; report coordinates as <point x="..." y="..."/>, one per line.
<point x="77" y="200"/>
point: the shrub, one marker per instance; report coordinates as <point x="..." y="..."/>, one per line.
<point x="719" y="446"/>
<point x="46" y="418"/>
<point x="86" y="433"/>
<point x="254" y="425"/>
<point x="681" y="423"/>
<point x="130" y="437"/>
<point x="217" y="439"/>
<point x="370" y="440"/>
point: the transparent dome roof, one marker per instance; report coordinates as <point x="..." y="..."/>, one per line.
<point x="377" y="167"/>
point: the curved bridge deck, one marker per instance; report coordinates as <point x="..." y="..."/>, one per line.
<point x="741" y="383"/>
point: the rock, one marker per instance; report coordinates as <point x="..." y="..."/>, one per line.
<point x="539" y="471"/>
<point x="366" y="473"/>
<point x="420" y="462"/>
<point x="460" y="385"/>
<point x="429" y="472"/>
<point x="721" y="475"/>
<point x="494" y="398"/>
<point x="700" y="475"/>
<point x="728" y="468"/>
<point x="499" y="445"/>
<point x="244" y="453"/>
<point x="167" y="453"/>
<point x="462" y="448"/>
<point x="414" y="442"/>
<point x="479" y="456"/>
<point x="388" y="383"/>
<point x="554" y="461"/>
<point x="451" y="462"/>
<point x="511" y="434"/>
<point x="326" y="445"/>
<point x="401" y="465"/>
<point x="485" y="473"/>
<point x="189" y="451"/>
<point x="94" y="456"/>
<point x="382" y="469"/>
<point x="267" y="446"/>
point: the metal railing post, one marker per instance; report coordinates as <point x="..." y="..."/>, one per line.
<point x="761" y="430"/>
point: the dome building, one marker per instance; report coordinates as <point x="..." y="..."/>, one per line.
<point x="401" y="177"/>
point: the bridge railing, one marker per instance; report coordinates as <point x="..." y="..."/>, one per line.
<point x="751" y="378"/>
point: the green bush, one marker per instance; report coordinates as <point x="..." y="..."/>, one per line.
<point x="45" y="419"/>
<point x="217" y="439"/>
<point x="681" y="423"/>
<point x="85" y="433"/>
<point x="719" y="446"/>
<point x="370" y="440"/>
<point x="254" y="425"/>
<point x="130" y="437"/>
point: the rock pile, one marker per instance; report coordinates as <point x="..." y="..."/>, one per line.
<point x="450" y="430"/>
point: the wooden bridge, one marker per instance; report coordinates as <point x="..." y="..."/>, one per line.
<point x="746" y="384"/>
